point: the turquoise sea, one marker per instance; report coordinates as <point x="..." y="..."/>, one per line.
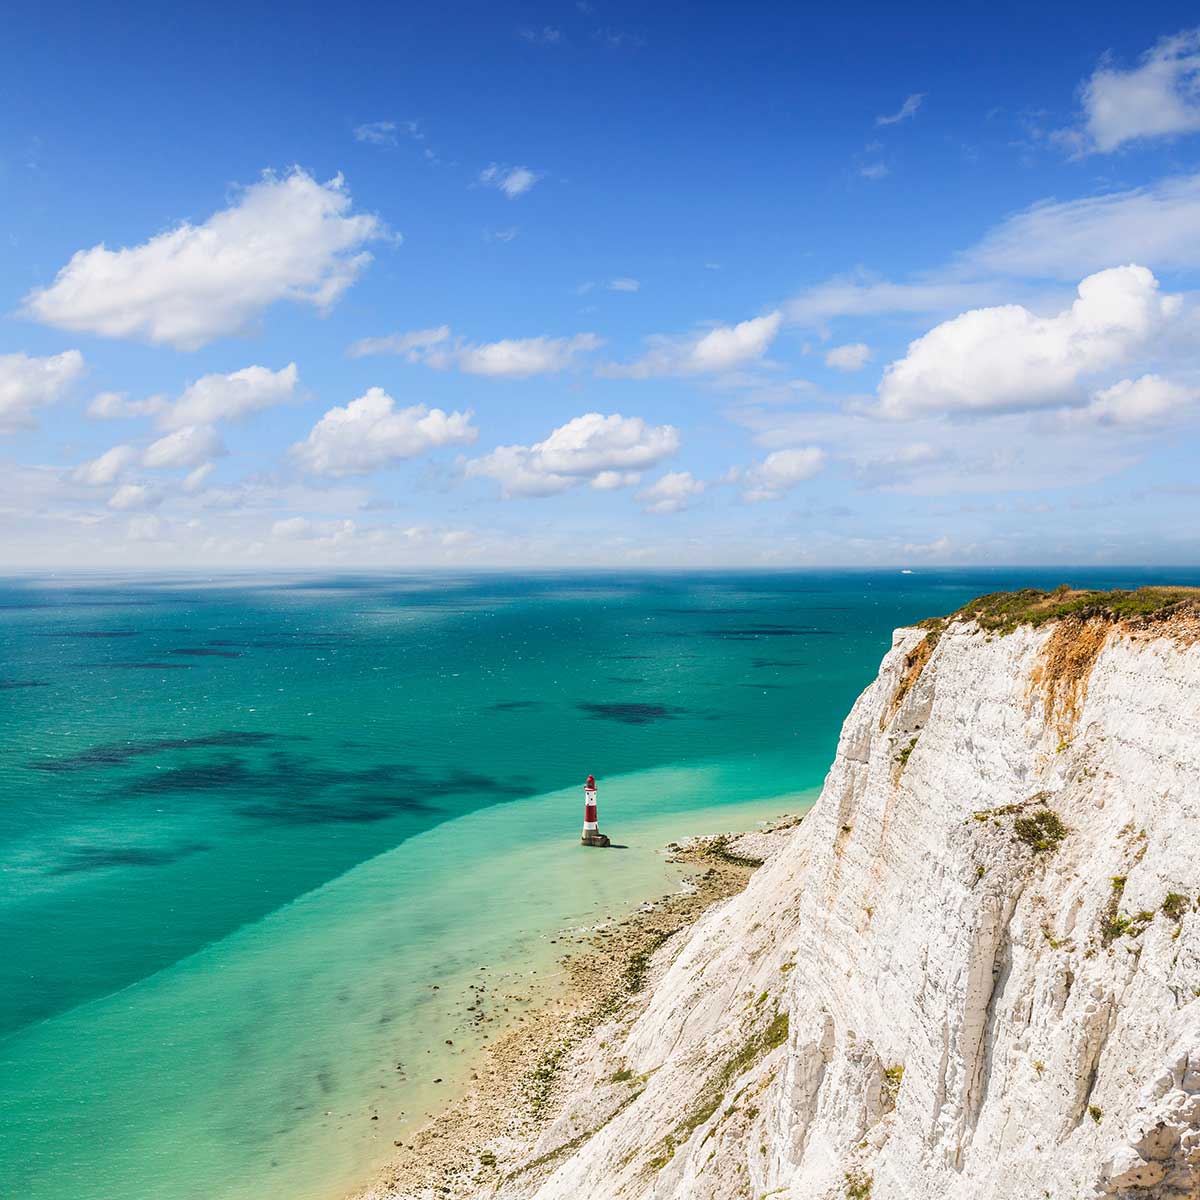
<point x="270" y="847"/>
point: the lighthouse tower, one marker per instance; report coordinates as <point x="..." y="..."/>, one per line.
<point x="591" y="827"/>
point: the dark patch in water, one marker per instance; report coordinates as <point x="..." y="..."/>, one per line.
<point x="8" y="685"/>
<point x="514" y="705"/>
<point x="92" y="633"/>
<point x="102" y="858"/>
<point x="146" y="666"/>
<point x="290" y="789"/>
<point x="760" y="687"/>
<point x="267" y="644"/>
<point x="206" y="652"/>
<point x="775" y="662"/>
<point x="116" y="754"/>
<point x="632" y="657"/>
<point x="630" y="714"/>
<point x="749" y="633"/>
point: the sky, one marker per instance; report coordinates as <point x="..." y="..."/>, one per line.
<point x="599" y="284"/>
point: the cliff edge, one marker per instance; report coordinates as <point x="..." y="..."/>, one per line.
<point x="972" y="971"/>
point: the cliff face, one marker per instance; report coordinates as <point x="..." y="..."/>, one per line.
<point x="974" y="969"/>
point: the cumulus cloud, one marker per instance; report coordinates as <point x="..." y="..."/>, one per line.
<point x="624" y="284"/>
<point x="607" y="450"/>
<point x="851" y="357"/>
<point x="1158" y="98"/>
<point x="1134" y="403"/>
<point x="370" y="432"/>
<point x="288" y="238"/>
<point x="781" y="471"/>
<point x="874" y="170"/>
<point x="512" y="181"/>
<point x="188" y="446"/>
<point x="906" y="110"/>
<point x="27" y="384"/>
<point x="720" y="349"/>
<point x="510" y="358"/>
<point x="230" y="397"/>
<point x="102" y="471"/>
<point x="115" y="406"/>
<point x="671" y="493"/>
<point x="1006" y="358"/>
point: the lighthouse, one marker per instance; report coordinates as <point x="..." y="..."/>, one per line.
<point x="591" y="826"/>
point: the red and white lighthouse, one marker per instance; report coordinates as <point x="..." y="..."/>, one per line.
<point x="591" y="825"/>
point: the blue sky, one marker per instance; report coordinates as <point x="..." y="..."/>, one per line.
<point x="586" y="283"/>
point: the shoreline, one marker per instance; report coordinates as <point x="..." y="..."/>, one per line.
<point x="484" y="1139"/>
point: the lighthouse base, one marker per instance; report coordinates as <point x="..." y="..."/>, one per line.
<point x="593" y="837"/>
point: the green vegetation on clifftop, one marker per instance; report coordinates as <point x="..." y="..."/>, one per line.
<point x="1005" y="611"/>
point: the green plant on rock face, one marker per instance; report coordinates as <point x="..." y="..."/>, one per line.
<point x="1095" y="1112"/>
<point x="903" y="756"/>
<point x="1175" y="905"/>
<point x="1042" y="829"/>
<point x="892" y="1078"/>
<point x="859" y="1185"/>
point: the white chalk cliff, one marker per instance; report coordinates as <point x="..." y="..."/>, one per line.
<point x="972" y="971"/>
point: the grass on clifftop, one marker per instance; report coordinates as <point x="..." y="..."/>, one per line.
<point x="1004" y="611"/>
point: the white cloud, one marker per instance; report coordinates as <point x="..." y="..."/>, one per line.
<point x="1006" y="358"/>
<point x="100" y="472"/>
<point x="875" y="170"/>
<point x="229" y="397"/>
<point x="672" y="493"/>
<point x="719" y="349"/>
<point x="510" y="358"/>
<point x="1134" y="403"/>
<point x="409" y="345"/>
<point x="864" y="296"/>
<point x="188" y="446"/>
<point x="906" y="110"/>
<point x="781" y="471"/>
<point x="283" y="239"/>
<point x="195" y="480"/>
<point x="592" y="446"/>
<point x="1158" y="98"/>
<point x="512" y="181"/>
<point x="1157" y="225"/>
<point x="624" y="284"/>
<point x="370" y="432"/>
<point x="608" y="481"/>
<point x="518" y="358"/>
<point x="114" y="406"/>
<point x="292" y="527"/>
<point x="851" y="357"/>
<point x="376" y="133"/>
<point x="546" y="36"/>
<point x="27" y="384"/>
<point x="133" y="495"/>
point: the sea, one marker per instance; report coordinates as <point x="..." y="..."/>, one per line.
<point x="280" y="854"/>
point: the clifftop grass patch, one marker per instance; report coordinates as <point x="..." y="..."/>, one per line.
<point x="1002" y="612"/>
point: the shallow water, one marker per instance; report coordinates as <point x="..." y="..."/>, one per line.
<point x="260" y="838"/>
